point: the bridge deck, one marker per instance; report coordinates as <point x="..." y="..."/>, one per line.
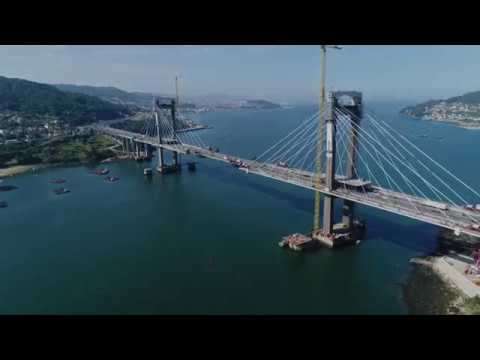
<point x="447" y="216"/>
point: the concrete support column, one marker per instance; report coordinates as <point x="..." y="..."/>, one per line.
<point x="160" y="159"/>
<point x="328" y="210"/>
<point x="175" y="158"/>
<point x="348" y="213"/>
<point x="328" y="205"/>
<point x="348" y="206"/>
<point x="137" y="149"/>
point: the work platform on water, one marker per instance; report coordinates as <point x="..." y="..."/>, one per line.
<point x="342" y="235"/>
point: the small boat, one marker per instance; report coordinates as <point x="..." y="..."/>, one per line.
<point x="3" y="204"/>
<point x="57" y="181"/>
<point x="112" y="178"/>
<point x="147" y="171"/>
<point x="103" y="171"/>
<point x="61" y="191"/>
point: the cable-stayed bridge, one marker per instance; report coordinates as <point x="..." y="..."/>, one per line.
<point x="344" y="152"/>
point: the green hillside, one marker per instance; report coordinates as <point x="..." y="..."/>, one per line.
<point x="110" y="94"/>
<point x="419" y="110"/>
<point x="28" y="100"/>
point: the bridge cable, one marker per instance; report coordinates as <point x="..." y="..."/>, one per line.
<point x="389" y="153"/>
<point x="288" y="135"/>
<point x="438" y="178"/>
<point x="434" y="190"/>
<point x="293" y="139"/>
<point x="445" y="214"/>
<point x="432" y="160"/>
<point x="365" y="140"/>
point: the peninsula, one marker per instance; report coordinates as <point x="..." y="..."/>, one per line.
<point x="463" y="110"/>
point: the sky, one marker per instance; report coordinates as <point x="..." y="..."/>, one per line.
<point x="281" y="73"/>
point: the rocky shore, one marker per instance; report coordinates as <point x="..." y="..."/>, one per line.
<point x="438" y="285"/>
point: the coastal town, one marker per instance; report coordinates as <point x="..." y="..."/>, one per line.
<point x="463" y="110"/>
<point x="16" y="130"/>
<point x="466" y="115"/>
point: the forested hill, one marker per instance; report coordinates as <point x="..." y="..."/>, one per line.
<point x="462" y="110"/>
<point x="110" y="94"/>
<point x="469" y="99"/>
<point x="30" y="100"/>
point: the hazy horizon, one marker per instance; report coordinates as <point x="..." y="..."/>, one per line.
<point x="279" y="73"/>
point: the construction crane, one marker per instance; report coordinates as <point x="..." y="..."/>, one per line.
<point x="321" y="122"/>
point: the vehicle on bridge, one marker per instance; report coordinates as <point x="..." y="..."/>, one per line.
<point x="475" y="207"/>
<point x="436" y="205"/>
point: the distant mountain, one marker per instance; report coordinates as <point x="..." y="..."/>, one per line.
<point x="231" y="101"/>
<point x="111" y="94"/>
<point x="213" y="99"/>
<point x="261" y="104"/>
<point x="462" y="110"/>
<point x="144" y="100"/>
<point x="27" y="100"/>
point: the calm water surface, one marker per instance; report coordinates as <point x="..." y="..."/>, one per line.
<point x="206" y="242"/>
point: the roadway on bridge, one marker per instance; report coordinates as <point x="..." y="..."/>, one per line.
<point x="447" y="216"/>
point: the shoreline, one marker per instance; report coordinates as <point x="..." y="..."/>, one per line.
<point x="437" y="285"/>
<point x="15" y="170"/>
<point x="20" y="169"/>
<point x="460" y="124"/>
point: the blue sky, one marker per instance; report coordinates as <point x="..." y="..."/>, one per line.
<point x="279" y="73"/>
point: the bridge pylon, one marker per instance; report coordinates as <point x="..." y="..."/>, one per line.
<point x="354" y="108"/>
<point x="163" y="167"/>
<point x="347" y="231"/>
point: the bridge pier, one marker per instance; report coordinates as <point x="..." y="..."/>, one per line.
<point x="348" y="206"/>
<point x="348" y="212"/>
<point x="348" y="230"/>
<point x="148" y="152"/>
<point x="176" y="158"/>
<point x="132" y="148"/>
<point x="137" y="151"/>
<point x="163" y="167"/>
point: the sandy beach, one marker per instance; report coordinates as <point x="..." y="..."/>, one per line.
<point x="18" y="169"/>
